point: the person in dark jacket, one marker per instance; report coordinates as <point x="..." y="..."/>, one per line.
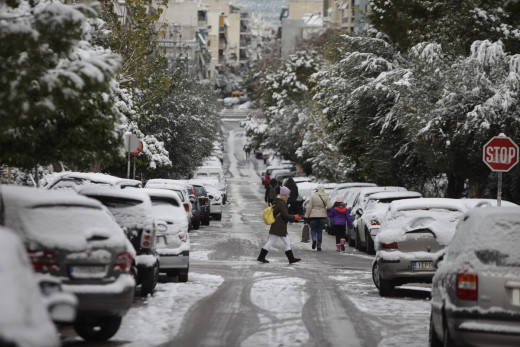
<point x="273" y="189"/>
<point x="293" y="197"/>
<point x="340" y="218"/>
<point x="278" y="229"/>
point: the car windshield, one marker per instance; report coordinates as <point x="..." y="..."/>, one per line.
<point x="116" y="202"/>
<point x="488" y="243"/>
<point x="156" y="201"/>
<point x="68" y="226"/>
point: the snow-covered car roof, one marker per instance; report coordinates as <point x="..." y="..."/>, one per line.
<point x="24" y="319"/>
<point x="394" y="195"/>
<point x="428" y="204"/>
<point x="59" y="219"/>
<point x="440" y="215"/>
<point x="138" y="214"/>
<point x="165" y="184"/>
<point x="92" y="178"/>
<point x="163" y="193"/>
<point x="341" y="186"/>
<point x="134" y="194"/>
<point x="23" y="197"/>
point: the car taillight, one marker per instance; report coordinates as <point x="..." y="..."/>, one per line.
<point x="392" y="245"/>
<point x="123" y="262"/>
<point x="182" y="237"/>
<point x="187" y="207"/>
<point x="206" y="199"/>
<point x="44" y="261"/>
<point x="374" y="222"/>
<point x="146" y="239"/>
<point x="217" y="198"/>
<point x="467" y="283"/>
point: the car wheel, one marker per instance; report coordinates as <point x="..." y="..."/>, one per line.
<point x="149" y="280"/>
<point x="218" y="217"/>
<point x="183" y="276"/>
<point x="97" y="328"/>
<point x="385" y="286"/>
<point x="370" y="243"/>
<point x="196" y="224"/>
<point x="432" y="337"/>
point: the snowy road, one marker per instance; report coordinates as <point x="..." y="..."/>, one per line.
<point x="328" y="299"/>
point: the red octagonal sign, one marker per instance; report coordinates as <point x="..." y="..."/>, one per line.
<point x="500" y="153"/>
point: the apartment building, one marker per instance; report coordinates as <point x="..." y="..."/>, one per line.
<point x="345" y="14"/>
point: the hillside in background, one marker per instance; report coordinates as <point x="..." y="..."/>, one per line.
<point x="268" y="9"/>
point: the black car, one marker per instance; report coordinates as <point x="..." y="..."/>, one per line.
<point x="204" y="203"/>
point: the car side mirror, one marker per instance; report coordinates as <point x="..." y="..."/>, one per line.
<point x="192" y="199"/>
<point x="359" y="212"/>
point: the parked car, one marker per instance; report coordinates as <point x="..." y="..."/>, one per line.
<point x="342" y="188"/>
<point x="214" y="194"/>
<point x="24" y="317"/>
<point x="360" y="199"/>
<point x="476" y="288"/>
<point x="73" y="238"/>
<point x="412" y="231"/>
<point x="369" y="215"/>
<point x="181" y="190"/>
<point x="204" y="202"/>
<point x="173" y="244"/>
<point x="77" y="180"/>
<point x="132" y="209"/>
<point x="213" y="172"/>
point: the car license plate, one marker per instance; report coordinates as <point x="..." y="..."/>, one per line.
<point x="516" y="296"/>
<point x="422" y="265"/>
<point x="94" y="271"/>
<point x="160" y="241"/>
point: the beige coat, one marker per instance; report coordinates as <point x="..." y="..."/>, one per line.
<point x="318" y="205"/>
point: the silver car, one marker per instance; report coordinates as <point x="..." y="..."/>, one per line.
<point x="75" y="239"/>
<point x="412" y="231"/>
<point x="476" y="289"/>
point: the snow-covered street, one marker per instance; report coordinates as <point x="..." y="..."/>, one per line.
<point x="232" y="300"/>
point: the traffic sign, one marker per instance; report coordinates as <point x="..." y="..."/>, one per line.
<point x="139" y="149"/>
<point x="500" y="153"/>
<point x="131" y="142"/>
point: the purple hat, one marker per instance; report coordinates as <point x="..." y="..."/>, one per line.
<point x="285" y="191"/>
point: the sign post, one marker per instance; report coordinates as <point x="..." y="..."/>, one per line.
<point x="131" y="145"/>
<point x="500" y="154"/>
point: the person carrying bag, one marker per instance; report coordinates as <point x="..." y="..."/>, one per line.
<point x="278" y="229"/>
<point x="316" y="213"/>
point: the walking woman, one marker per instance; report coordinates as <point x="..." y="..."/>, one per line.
<point x="316" y="213"/>
<point x="278" y="229"/>
<point x="340" y="218"/>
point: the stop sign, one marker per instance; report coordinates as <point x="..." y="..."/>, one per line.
<point x="500" y="153"/>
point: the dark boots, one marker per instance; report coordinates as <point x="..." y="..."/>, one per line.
<point x="262" y="255"/>
<point x="291" y="257"/>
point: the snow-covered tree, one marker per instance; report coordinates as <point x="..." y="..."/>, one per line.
<point x="287" y="103"/>
<point x="56" y="96"/>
